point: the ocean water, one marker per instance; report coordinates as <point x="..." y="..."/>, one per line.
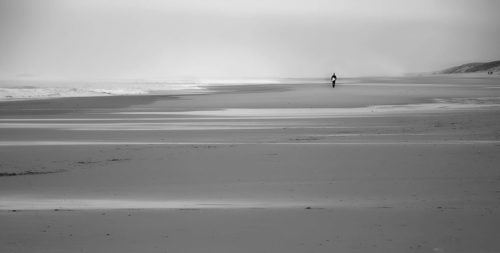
<point x="34" y="89"/>
<point x="37" y="89"/>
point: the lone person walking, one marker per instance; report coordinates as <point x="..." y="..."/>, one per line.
<point x="333" y="79"/>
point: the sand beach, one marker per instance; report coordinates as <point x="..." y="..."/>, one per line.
<point x="400" y="164"/>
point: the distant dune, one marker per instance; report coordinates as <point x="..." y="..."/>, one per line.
<point x="493" y="66"/>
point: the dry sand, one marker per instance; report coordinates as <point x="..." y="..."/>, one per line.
<point x="374" y="165"/>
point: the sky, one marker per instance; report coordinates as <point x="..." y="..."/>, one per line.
<point x="178" y="39"/>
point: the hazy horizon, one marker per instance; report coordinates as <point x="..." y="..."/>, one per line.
<point x="194" y="39"/>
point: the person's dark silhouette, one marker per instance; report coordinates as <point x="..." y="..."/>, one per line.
<point x="333" y="79"/>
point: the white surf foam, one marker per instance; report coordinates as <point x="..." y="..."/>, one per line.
<point x="40" y="89"/>
<point x="27" y="90"/>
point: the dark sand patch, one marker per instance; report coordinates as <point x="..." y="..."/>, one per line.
<point x="28" y="173"/>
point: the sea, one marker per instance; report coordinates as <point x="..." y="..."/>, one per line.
<point x="11" y="90"/>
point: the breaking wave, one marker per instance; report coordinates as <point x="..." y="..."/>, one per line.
<point x="27" y="90"/>
<point x="31" y="89"/>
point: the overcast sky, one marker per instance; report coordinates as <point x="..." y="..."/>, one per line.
<point x="89" y="39"/>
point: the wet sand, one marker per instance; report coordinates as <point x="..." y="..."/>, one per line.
<point x="374" y="165"/>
